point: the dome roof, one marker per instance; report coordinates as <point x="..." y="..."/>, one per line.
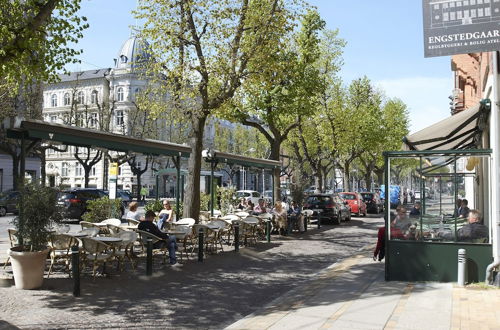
<point x="133" y="52"/>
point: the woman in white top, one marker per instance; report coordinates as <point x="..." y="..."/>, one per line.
<point x="132" y="212"/>
<point x="280" y="217"/>
<point x="165" y="215"/>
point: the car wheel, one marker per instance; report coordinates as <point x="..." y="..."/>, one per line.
<point x="336" y="220"/>
<point x="3" y="211"/>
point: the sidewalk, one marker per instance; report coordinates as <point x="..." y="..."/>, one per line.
<point x="345" y="297"/>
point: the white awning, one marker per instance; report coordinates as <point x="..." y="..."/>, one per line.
<point x="460" y="131"/>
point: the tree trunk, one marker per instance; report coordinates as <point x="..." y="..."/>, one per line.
<point x="139" y="185"/>
<point x="318" y="180"/>
<point x="192" y="197"/>
<point x="86" y="177"/>
<point x="380" y="175"/>
<point x="43" y="173"/>
<point x="275" y="155"/>
<point x="347" y="177"/>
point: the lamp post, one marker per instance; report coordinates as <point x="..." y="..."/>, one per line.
<point x="209" y="156"/>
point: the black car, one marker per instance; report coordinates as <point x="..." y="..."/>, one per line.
<point x="328" y="207"/>
<point x="373" y="202"/>
<point x="8" y="202"/>
<point x="74" y="201"/>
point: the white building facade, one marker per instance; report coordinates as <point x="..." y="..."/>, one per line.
<point x="97" y="99"/>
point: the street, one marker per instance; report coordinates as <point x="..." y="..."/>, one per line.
<point x="223" y="289"/>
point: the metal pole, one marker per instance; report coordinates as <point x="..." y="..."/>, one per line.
<point x="455" y="184"/>
<point x="319" y="219"/>
<point x="236" y="236"/>
<point x="200" y="245"/>
<point x="178" y="190"/>
<point x="387" y="215"/>
<point x="462" y="267"/>
<point x="212" y="190"/>
<point x="75" y="268"/>
<point x="149" y="258"/>
<point x="268" y="230"/>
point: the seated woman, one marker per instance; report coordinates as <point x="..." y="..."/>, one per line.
<point x="242" y="206"/>
<point x="165" y="215"/>
<point x="280" y="218"/>
<point x="132" y="212"/>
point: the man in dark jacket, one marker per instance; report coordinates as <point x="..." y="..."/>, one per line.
<point x="167" y="241"/>
<point x="474" y="229"/>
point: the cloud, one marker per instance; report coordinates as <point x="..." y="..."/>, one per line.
<point x="426" y="98"/>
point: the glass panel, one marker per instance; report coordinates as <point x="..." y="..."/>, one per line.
<point x="440" y="198"/>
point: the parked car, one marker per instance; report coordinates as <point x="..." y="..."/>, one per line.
<point x="252" y="195"/>
<point x="373" y="202"/>
<point x="74" y="201"/>
<point x="329" y="207"/>
<point x="355" y="201"/>
<point x="8" y="202"/>
<point x="345" y="208"/>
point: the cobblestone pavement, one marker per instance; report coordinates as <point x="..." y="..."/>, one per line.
<point x="213" y="294"/>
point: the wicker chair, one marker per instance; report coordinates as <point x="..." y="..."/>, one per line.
<point x="86" y="224"/>
<point x="125" y="249"/>
<point x="209" y="236"/>
<point x="95" y="252"/>
<point x="60" y="250"/>
<point x="143" y="237"/>
<point x="113" y="221"/>
<point x="132" y="222"/>
<point x="114" y="230"/>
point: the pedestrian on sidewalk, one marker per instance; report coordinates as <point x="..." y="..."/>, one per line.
<point x="144" y="194"/>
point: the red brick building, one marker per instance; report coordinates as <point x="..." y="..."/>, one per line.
<point x="470" y="75"/>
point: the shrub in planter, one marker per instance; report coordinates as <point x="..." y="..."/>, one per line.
<point x="101" y="209"/>
<point x="154" y="205"/>
<point x="38" y="210"/>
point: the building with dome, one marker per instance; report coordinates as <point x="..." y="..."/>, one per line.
<point x="100" y="99"/>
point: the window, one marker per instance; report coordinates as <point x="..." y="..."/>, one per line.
<point x="53" y="100"/>
<point x="80" y="98"/>
<point x="119" y="94"/>
<point x="93" y="119"/>
<point x="94" y="97"/>
<point x="92" y="171"/>
<point x="53" y="118"/>
<point x="119" y="117"/>
<point x="78" y="169"/>
<point x="64" y="169"/>
<point x="67" y="99"/>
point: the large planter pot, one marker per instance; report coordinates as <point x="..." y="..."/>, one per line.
<point x="28" y="267"/>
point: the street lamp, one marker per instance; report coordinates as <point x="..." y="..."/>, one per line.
<point x="209" y="156"/>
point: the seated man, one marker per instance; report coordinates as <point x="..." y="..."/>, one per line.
<point x="463" y="210"/>
<point x="415" y="211"/>
<point x="474" y="229"/>
<point x="294" y="217"/>
<point x="170" y="242"/>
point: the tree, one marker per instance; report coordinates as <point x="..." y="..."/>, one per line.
<point x="34" y="37"/>
<point x="286" y="89"/>
<point x="314" y="142"/>
<point x="389" y="129"/>
<point x="202" y="51"/>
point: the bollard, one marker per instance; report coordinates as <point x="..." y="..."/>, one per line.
<point x="75" y="265"/>
<point x="236" y="237"/>
<point x="200" y="245"/>
<point x="319" y="220"/>
<point x="462" y="267"/>
<point x="268" y="231"/>
<point x="149" y="258"/>
<point x="306" y="219"/>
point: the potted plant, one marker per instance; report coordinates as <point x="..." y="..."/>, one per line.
<point x="38" y="210"/>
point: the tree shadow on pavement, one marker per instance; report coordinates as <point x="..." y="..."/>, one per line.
<point x="212" y="294"/>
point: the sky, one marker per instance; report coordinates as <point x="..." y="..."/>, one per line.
<point x="384" y="42"/>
